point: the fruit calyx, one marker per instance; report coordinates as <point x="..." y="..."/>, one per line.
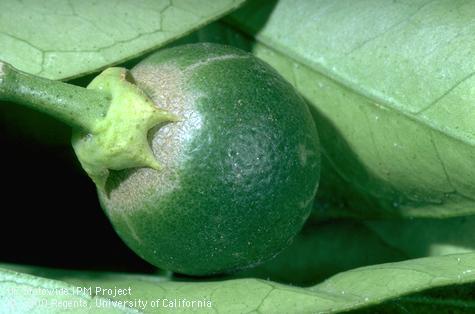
<point x="119" y="140"/>
<point x="110" y="118"/>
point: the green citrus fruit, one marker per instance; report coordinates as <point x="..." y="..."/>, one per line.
<point x="239" y="169"/>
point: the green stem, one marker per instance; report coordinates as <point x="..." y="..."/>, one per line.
<point x="79" y="107"/>
<point x="111" y="117"/>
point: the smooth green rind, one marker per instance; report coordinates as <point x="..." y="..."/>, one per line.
<point x="240" y="169"/>
<point x="119" y="140"/>
<point x="392" y="88"/>
<point x="346" y="291"/>
<point x="64" y="39"/>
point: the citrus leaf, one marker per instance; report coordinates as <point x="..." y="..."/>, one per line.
<point x="427" y="237"/>
<point x="23" y="293"/>
<point x="346" y="291"/>
<point x="391" y="84"/>
<point x="63" y="39"/>
<point x="453" y="300"/>
<point x="311" y="256"/>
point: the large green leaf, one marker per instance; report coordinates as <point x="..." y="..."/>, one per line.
<point x="62" y="39"/>
<point x="427" y="237"/>
<point x="349" y="290"/>
<point x="311" y="256"/>
<point x="22" y="293"/>
<point x="453" y="300"/>
<point x="392" y="88"/>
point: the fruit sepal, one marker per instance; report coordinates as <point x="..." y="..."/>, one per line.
<point x="119" y="140"/>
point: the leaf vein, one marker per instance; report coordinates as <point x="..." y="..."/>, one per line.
<point x="441" y="97"/>
<point x="392" y="27"/>
<point x="446" y="172"/>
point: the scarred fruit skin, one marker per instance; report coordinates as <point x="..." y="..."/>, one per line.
<point x="239" y="169"/>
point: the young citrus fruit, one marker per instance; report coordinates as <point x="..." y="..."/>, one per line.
<point x="239" y="168"/>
